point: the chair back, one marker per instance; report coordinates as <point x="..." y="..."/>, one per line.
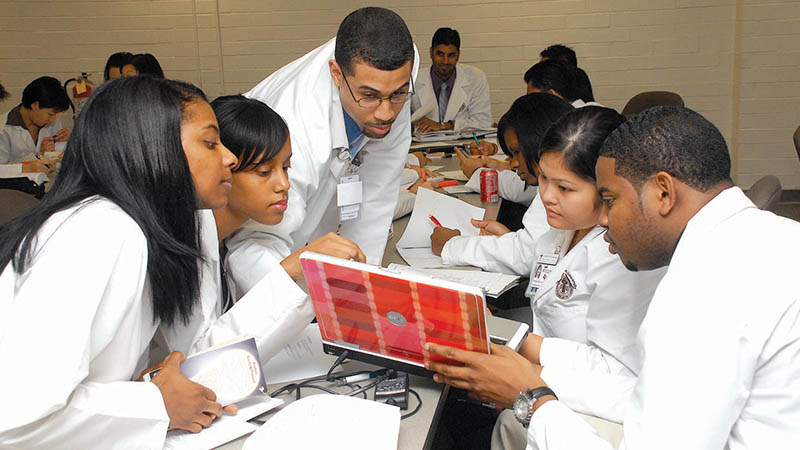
<point x="14" y="203"/>
<point x="644" y="100"/>
<point x="797" y="141"/>
<point x="766" y="192"/>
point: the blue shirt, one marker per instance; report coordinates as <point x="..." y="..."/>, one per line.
<point x="354" y="134"/>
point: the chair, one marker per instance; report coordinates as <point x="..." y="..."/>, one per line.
<point x="797" y="141"/>
<point x="765" y="193"/>
<point x="14" y="203"/>
<point x="644" y="100"/>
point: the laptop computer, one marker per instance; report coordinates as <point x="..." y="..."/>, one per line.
<point x="385" y="318"/>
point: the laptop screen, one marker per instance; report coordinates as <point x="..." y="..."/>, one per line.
<point x="370" y="309"/>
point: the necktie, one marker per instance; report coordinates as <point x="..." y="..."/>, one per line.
<point x="444" y="98"/>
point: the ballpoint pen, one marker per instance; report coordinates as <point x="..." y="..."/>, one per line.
<point x="434" y="220"/>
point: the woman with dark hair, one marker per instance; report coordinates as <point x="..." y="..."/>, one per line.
<point x="143" y="64"/>
<point x="115" y="64"/>
<point x="587" y="307"/>
<point x="32" y="128"/>
<point x="519" y="132"/>
<point x="259" y="138"/>
<point x="117" y="248"/>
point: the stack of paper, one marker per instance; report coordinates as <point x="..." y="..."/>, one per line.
<point x="492" y="283"/>
<point x="415" y="244"/>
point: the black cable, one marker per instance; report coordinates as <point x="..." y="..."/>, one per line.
<point x="338" y="361"/>
<point x="419" y="405"/>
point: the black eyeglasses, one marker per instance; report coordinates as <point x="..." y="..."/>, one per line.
<point x="398" y="98"/>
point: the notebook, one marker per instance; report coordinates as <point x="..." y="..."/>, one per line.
<point x="384" y="318"/>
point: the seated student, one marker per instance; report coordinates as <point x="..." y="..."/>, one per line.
<point x="143" y="64"/>
<point x="519" y="132"/>
<point x="722" y="341"/>
<point x="115" y="64"/>
<point x="32" y="128"/>
<point x="450" y="96"/>
<point x="559" y="52"/>
<point x="91" y="272"/>
<point x="587" y="307"/>
<point x="259" y="138"/>
<point x="3" y="93"/>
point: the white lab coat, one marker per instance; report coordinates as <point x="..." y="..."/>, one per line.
<point x="511" y="253"/>
<point x="469" y="105"/>
<point x="73" y="331"/>
<point x="303" y="93"/>
<point x="16" y="145"/>
<point x="509" y="186"/>
<point x="273" y="311"/>
<point x="94" y="323"/>
<point x="721" y="342"/>
<point x="589" y="352"/>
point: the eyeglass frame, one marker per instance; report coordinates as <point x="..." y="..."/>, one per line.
<point x="380" y="98"/>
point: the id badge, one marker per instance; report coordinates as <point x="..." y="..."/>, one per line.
<point x="544" y="265"/>
<point x="349" y="194"/>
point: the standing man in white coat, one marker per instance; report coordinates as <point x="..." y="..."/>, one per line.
<point x="721" y="338"/>
<point x="346" y="105"/>
<point x="446" y="97"/>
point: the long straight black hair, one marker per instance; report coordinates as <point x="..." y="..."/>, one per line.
<point x="126" y="147"/>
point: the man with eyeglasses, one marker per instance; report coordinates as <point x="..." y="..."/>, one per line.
<point x="346" y="105"/>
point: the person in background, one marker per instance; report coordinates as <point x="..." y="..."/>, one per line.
<point x="115" y="64"/>
<point x="143" y="64"/>
<point x="582" y="87"/>
<point x="449" y="96"/>
<point x="32" y="128"/>
<point x="93" y="270"/>
<point x="3" y="93"/>
<point x="346" y="105"/>
<point x="559" y="52"/>
<point x="259" y="138"/>
<point x="587" y="306"/>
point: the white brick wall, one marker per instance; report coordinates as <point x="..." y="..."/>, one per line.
<point x="735" y="61"/>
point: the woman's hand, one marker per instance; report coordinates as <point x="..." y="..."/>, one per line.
<point x="440" y="236"/>
<point x="190" y="406"/>
<point x="490" y="227"/>
<point x="332" y="245"/>
<point x="470" y="164"/>
<point x="485" y="148"/>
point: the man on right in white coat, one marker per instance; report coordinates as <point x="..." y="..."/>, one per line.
<point x="721" y="339"/>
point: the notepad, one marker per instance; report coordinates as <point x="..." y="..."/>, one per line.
<point x="493" y="283"/>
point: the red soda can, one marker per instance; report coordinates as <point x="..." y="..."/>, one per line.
<point x="489" y="192"/>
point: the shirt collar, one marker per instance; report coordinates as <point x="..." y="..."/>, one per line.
<point x="354" y="133"/>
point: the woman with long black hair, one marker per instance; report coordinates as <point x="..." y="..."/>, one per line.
<point x="113" y="251"/>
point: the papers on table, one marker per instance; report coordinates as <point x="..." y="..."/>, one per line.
<point x="224" y="429"/>
<point x="434" y="168"/>
<point x="454" y="175"/>
<point x="450" y="135"/>
<point x="302" y="358"/>
<point x="457" y="189"/>
<point x="330" y="422"/>
<point x="493" y="283"/>
<point x="415" y="244"/>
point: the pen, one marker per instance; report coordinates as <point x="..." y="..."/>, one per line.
<point x="475" y="136"/>
<point x="424" y="176"/>
<point x="434" y="220"/>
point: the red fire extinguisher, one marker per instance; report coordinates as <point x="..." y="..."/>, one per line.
<point x="81" y="91"/>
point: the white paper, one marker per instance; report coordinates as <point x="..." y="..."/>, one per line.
<point x="300" y="359"/>
<point x="454" y="175"/>
<point x="330" y="422"/>
<point x="224" y="429"/>
<point x="457" y="189"/>
<point x="451" y="213"/>
<point x="494" y="283"/>
<point x="434" y="168"/>
<point x="420" y="257"/>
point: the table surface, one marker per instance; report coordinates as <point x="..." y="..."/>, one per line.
<point x="419" y="429"/>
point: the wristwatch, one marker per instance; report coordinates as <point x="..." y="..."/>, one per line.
<point x="523" y="403"/>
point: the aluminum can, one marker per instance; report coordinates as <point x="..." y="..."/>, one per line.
<point x="489" y="192"/>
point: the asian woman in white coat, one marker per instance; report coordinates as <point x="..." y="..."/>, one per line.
<point x="499" y="250"/>
<point x="100" y="263"/>
<point x="587" y="307"/>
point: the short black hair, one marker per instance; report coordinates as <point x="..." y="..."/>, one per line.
<point x="578" y="135"/>
<point x="530" y="116"/>
<point x="49" y="92"/>
<point x="250" y="129"/>
<point x="3" y="93"/>
<point x="118" y="59"/>
<point x="446" y="36"/>
<point x="560" y="52"/>
<point x="672" y="139"/>
<point x="555" y="75"/>
<point x="583" y="87"/>
<point x="147" y="64"/>
<point x="375" y="36"/>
